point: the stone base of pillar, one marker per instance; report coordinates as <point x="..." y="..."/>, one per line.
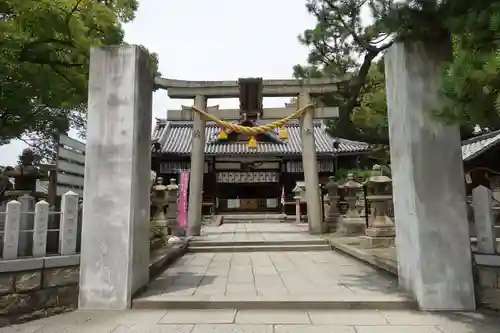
<point x="369" y="242"/>
<point x="351" y="226"/>
<point x="387" y="231"/>
<point x="318" y="229"/>
<point x="194" y="230"/>
<point x="177" y="231"/>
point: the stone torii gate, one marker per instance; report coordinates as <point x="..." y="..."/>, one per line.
<point x="115" y="247"/>
<point x="200" y="91"/>
<point x="433" y="245"/>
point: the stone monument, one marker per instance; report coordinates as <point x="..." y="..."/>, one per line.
<point x="114" y="260"/>
<point x="432" y="242"/>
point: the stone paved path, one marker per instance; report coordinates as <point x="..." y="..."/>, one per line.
<point x="231" y="321"/>
<point x="271" y="274"/>
<point x="259" y="275"/>
<point x="290" y="274"/>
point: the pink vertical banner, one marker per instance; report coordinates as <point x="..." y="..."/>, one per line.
<point x="183" y="199"/>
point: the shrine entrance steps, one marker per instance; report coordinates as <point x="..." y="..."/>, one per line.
<point x="253" y="218"/>
<point x="259" y="246"/>
<point x="240" y="267"/>
<point x="260" y="236"/>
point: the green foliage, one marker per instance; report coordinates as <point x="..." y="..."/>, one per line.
<point x="471" y="84"/>
<point x="156" y="231"/>
<point x="360" y="175"/>
<point x="44" y="59"/>
<point x="343" y="46"/>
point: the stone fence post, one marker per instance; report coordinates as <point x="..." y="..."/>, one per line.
<point x="11" y="230"/>
<point x="69" y="223"/>
<point x="26" y="224"/>
<point x="483" y="216"/>
<point x="40" y="229"/>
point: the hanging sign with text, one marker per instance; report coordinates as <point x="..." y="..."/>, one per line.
<point x="183" y="199"/>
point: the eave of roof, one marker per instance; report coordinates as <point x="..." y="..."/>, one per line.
<point x="473" y="147"/>
<point x="175" y="138"/>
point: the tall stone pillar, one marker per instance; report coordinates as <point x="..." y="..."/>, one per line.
<point x="197" y="163"/>
<point x="310" y="166"/>
<point x="432" y="237"/>
<point x="115" y="237"/>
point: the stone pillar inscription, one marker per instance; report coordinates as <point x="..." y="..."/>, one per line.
<point x="432" y="236"/>
<point x="114" y="261"/>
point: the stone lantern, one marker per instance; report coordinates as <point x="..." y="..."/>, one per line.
<point x="25" y="175"/>
<point x="380" y="231"/>
<point x="159" y="200"/>
<point x="352" y="223"/>
<point x="298" y="194"/>
<point x="333" y="214"/>
<point x="172" y="209"/>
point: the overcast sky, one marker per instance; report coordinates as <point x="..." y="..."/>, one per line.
<point x="214" y="40"/>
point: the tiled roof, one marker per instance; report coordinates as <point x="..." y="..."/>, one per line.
<point x="473" y="147"/>
<point x="175" y="138"/>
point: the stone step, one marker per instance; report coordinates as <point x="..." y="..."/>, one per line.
<point x="260" y="248"/>
<point x="339" y="302"/>
<point x="253" y="218"/>
<point x="202" y="243"/>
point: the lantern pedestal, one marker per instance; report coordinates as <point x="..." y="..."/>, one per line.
<point x="351" y="226"/>
<point x="370" y="242"/>
<point x="333" y="217"/>
<point x="381" y="231"/>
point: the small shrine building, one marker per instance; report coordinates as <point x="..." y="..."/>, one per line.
<point x="249" y="173"/>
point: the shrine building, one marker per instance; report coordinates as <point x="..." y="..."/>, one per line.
<point x="245" y="173"/>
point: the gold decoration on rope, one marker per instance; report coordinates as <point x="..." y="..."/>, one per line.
<point x="253" y="131"/>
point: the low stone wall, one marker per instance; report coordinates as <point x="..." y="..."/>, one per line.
<point x="34" y="288"/>
<point x="37" y="287"/>
<point x="486" y="267"/>
<point x="488" y="281"/>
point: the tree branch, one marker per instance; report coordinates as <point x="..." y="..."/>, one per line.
<point x="357" y="83"/>
<point x="70" y="16"/>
